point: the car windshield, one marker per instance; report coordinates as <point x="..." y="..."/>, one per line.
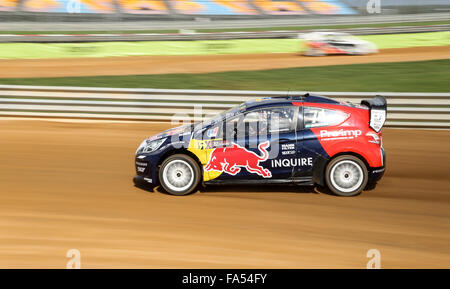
<point x="219" y="117"/>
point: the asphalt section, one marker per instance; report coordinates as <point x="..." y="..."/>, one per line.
<point x="69" y="185"/>
<point x="134" y="65"/>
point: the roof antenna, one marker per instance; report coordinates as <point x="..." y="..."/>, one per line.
<point x="305" y="95"/>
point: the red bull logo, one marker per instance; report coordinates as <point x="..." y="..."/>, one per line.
<point x="231" y="159"/>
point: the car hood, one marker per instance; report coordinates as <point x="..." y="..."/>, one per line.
<point x="183" y="130"/>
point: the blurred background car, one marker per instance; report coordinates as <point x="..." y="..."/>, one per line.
<point x="334" y="43"/>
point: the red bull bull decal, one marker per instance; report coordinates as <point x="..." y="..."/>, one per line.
<point x="231" y="159"/>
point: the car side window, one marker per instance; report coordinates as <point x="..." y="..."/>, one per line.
<point x="269" y="120"/>
<point x="226" y="128"/>
<point x="318" y="117"/>
<point x="300" y="118"/>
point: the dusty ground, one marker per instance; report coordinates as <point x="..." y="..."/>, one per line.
<point x="68" y="185"/>
<point x="201" y="64"/>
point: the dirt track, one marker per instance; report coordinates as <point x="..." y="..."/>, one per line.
<point x="68" y="185"/>
<point x="201" y="64"/>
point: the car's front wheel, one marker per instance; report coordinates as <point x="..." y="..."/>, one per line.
<point x="346" y="176"/>
<point x="179" y="174"/>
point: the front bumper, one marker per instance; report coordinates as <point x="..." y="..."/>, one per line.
<point x="143" y="181"/>
<point x="146" y="169"/>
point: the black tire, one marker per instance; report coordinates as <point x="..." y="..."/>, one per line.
<point x="171" y="181"/>
<point x="353" y="177"/>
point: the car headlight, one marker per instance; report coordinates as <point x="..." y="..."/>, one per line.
<point x="152" y="146"/>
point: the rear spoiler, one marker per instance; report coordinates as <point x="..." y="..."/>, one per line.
<point x="378" y="108"/>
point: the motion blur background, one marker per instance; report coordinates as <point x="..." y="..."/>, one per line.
<point x="174" y="8"/>
<point x="82" y="83"/>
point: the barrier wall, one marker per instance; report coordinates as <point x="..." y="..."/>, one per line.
<point x="407" y="109"/>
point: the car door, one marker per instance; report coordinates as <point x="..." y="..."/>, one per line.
<point x="307" y="148"/>
<point x="280" y="123"/>
<point x="311" y="148"/>
<point x="260" y="145"/>
<point x="341" y="43"/>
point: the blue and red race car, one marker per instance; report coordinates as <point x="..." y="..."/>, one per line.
<point x="306" y="139"/>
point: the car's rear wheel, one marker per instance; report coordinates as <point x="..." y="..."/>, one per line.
<point x="346" y="176"/>
<point x="179" y="174"/>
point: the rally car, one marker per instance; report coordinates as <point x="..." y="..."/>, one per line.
<point x="307" y="139"/>
<point x="335" y="43"/>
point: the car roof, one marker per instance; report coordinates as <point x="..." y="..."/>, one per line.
<point x="288" y="100"/>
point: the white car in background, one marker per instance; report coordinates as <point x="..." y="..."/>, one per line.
<point x="335" y="43"/>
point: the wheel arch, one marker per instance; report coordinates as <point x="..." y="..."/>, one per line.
<point x="175" y="151"/>
<point x="321" y="163"/>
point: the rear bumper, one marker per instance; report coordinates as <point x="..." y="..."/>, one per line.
<point x="375" y="174"/>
